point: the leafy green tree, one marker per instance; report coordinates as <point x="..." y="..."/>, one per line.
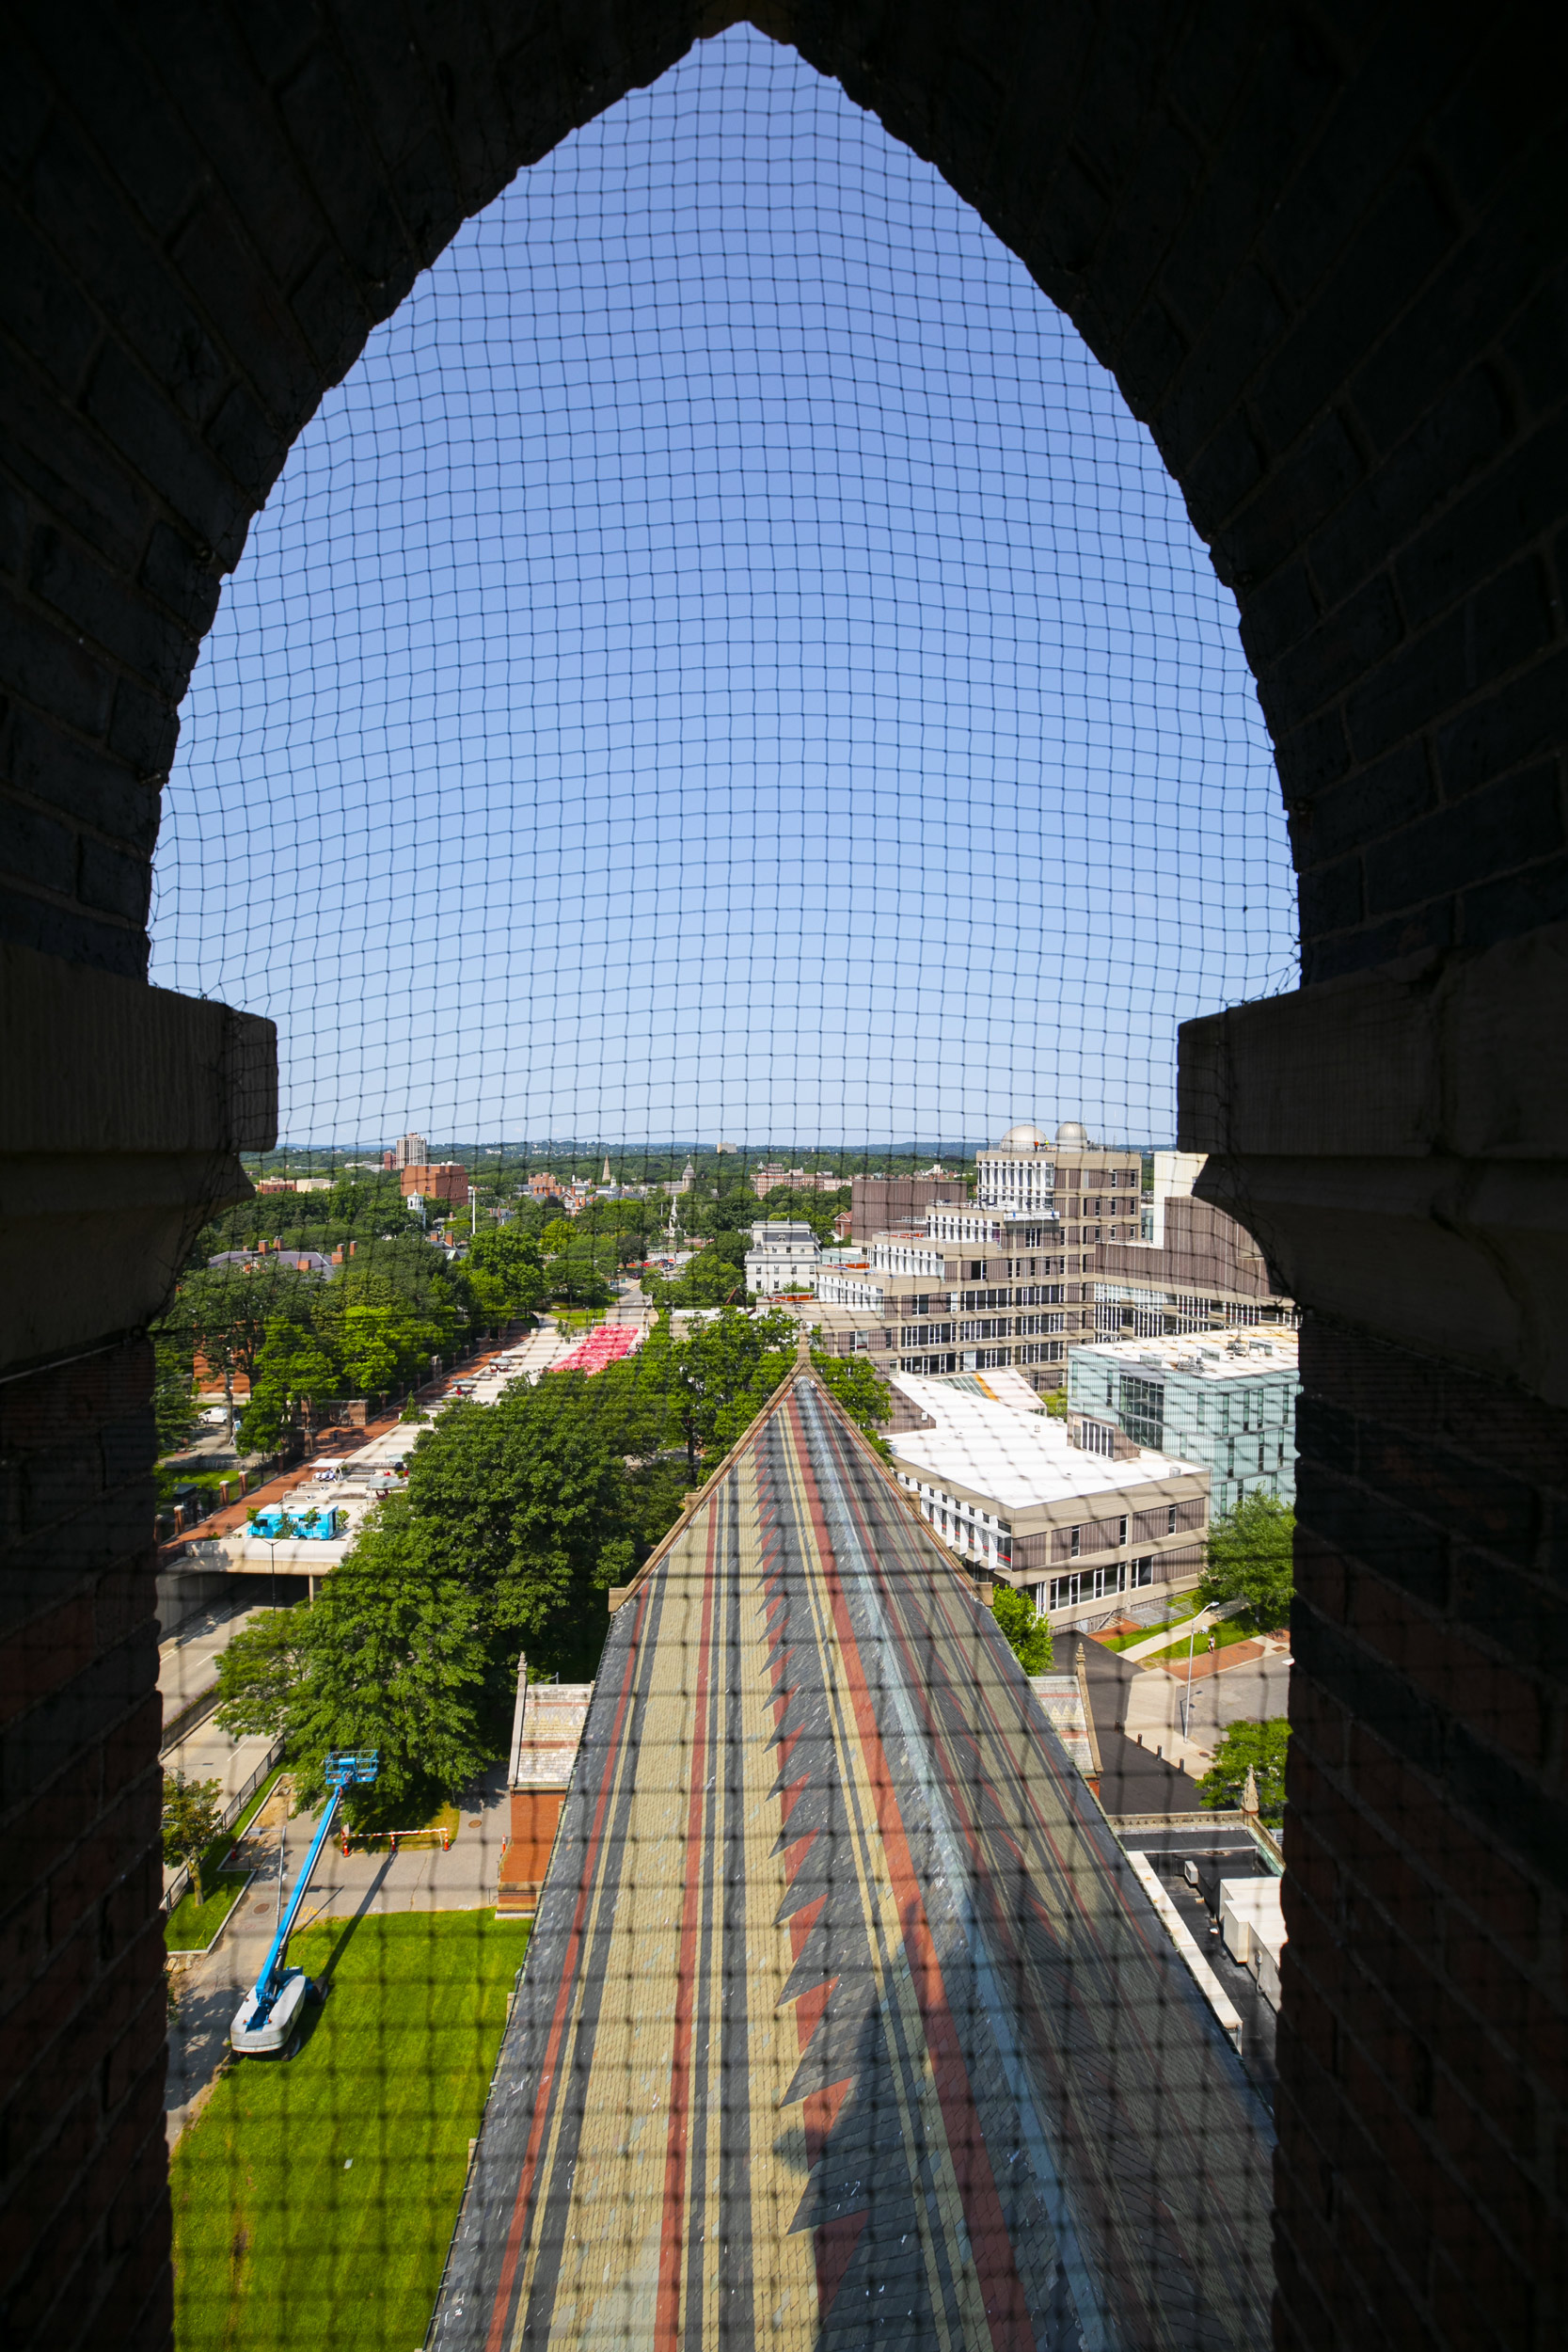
<point x="292" y="1369"/>
<point x="726" y="1369"/>
<point x="174" y="1405"/>
<point x="223" y="1313"/>
<point x="854" y="1384"/>
<point x="391" y="1655"/>
<point x="1028" y="1635"/>
<point x="506" y="1271"/>
<point x="1055" y="1403"/>
<point x="530" y="1496"/>
<point x="192" y="1817"/>
<point x="578" y="1279"/>
<point x="1254" y="1747"/>
<point x="712" y="1278"/>
<point x="1250" y="1560"/>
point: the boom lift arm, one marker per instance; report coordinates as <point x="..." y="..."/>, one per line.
<point x="267" y="2019"/>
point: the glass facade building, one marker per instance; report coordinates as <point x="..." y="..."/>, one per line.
<point x="1230" y="1408"/>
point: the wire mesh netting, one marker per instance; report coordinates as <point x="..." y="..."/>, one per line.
<point x="727" y="763"/>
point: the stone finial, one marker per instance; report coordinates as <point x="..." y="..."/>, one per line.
<point x="1249" y="1794"/>
<point x="802" y="1350"/>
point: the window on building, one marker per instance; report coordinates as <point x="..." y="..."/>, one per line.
<point x="1089" y="1584"/>
<point x="1142" y="1571"/>
<point x="1142" y="1410"/>
<point x="1170" y="1520"/>
<point x="1077" y="1544"/>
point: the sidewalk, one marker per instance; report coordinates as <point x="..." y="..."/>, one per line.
<point x="1249" y="1682"/>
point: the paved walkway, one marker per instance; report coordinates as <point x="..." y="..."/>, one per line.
<point x="1253" y="1688"/>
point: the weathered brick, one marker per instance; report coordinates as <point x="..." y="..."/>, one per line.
<point x="1506" y="825"/>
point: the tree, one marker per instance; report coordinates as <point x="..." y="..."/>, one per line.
<point x="174" y="1406"/>
<point x="506" y="1273"/>
<point x="529" y="1495"/>
<point x="1028" y="1635"/>
<point x="391" y="1655"/>
<point x="853" y="1383"/>
<point x="257" y="1670"/>
<point x="577" y="1280"/>
<point x="726" y="1370"/>
<point x="193" y="1817"/>
<point x="712" y="1278"/>
<point x="1254" y="1747"/>
<point x="1250" y="1559"/>
<point x="292" y="1369"/>
<point x="223" y="1313"/>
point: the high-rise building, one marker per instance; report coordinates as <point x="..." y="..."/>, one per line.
<point x="411" y="1151"/>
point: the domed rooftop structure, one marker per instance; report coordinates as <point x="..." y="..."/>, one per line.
<point x="1024" y="1138"/>
<point x="1072" y="1136"/>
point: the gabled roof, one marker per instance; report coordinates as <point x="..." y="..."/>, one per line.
<point x="845" y="2020"/>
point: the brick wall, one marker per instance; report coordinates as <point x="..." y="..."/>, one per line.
<point x="84" y="2205"/>
<point x="1420" y="2187"/>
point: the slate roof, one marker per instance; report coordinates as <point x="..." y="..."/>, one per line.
<point x="845" y="2021"/>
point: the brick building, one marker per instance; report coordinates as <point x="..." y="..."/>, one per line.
<point x="440" y="1180"/>
<point x="876" y="1202"/>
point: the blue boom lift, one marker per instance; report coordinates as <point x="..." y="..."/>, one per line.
<point x="265" y="2020"/>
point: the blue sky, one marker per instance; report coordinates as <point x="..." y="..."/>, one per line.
<point x="726" y="662"/>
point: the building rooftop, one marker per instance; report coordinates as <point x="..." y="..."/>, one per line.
<point x="1240" y="1354"/>
<point x="846" y="2018"/>
<point x="1025" y="1461"/>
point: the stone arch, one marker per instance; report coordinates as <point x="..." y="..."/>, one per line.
<point x="1322" y="250"/>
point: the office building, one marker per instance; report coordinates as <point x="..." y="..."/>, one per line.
<point x="972" y="1286"/>
<point x="1193" y="1268"/>
<point x="1095" y="1191"/>
<point x="1227" y="1403"/>
<point x="1084" y="1535"/>
<point x="410" y="1151"/>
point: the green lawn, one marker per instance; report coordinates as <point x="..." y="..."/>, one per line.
<point x="314" y="2202"/>
<point x="188" y="1930"/>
